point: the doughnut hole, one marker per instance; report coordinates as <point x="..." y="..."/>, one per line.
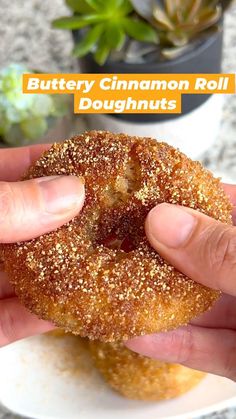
<point x="126" y="184"/>
<point x="117" y="194"/>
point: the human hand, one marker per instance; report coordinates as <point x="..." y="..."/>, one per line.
<point x="204" y="250"/>
<point x="27" y="210"/>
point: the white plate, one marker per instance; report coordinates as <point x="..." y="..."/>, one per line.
<point x="51" y="378"/>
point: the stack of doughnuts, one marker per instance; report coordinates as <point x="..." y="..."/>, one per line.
<point x="138" y="377"/>
<point x="98" y="276"/>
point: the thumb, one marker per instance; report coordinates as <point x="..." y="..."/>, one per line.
<point x="198" y="246"/>
<point x="34" y="207"/>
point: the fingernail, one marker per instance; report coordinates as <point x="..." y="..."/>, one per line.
<point x="61" y="194"/>
<point x="170" y="225"/>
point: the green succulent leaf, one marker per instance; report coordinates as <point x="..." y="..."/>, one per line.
<point x="76" y="22"/>
<point x="180" y="21"/>
<point x="113" y="4"/>
<point x="208" y="11"/>
<point x="97" y="5"/>
<point x="208" y="18"/>
<point x="178" y="38"/>
<point x="69" y="22"/>
<point x="22" y="111"/>
<point x="61" y="105"/>
<point x="12" y="114"/>
<point x="102" y="52"/>
<point x="170" y="7"/>
<point x="140" y="31"/>
<point x="79" y="6"/>
<point x="162" y="19"/>
<point x="42" y="105"/>
<point x="115" y="36"/>
<point x="34" y="128"/>
<point x="177" y="10"/>
<point x="125" y="8"/>
<point x="210" y="3"/>
<point x="21" y="102"/>
<point x="13" y="136"/>
<point x="89" y="41"/>
<point x="117" y="5"/>
<point x="175" y="52"/>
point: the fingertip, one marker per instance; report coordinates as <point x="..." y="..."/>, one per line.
<point x="173" y="346"/>
<point x="62" y="195"/>
<point x="135" y="344"/>
<point x="40" y="326"/>
<point x="169" y="225"/>
<point x="16" y="322"/>
<point x="75" y="185"/>
<point x="149" y="345"/>
<point x="201" y="348"/>
<point x="37" y="206"/>
<point x="150" y="224"/>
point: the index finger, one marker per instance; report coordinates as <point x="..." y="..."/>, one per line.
<point x="6" y="289"/>
<point x="16" y="322"/>
<point x="230" y="190"/>
<point x="15" y="161"/>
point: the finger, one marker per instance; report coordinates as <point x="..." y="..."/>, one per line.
<point x="209" y="350"/>
<point x="34" y="207"/>
<point x="6" y="289"/>
<point x="15" y="161"/>
<point x="202" y="248"/>
<point x="17" y="323"/>
<point x="230" y="190"/>
<point x="221" y="316"/>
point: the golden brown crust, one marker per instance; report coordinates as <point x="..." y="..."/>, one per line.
<point x="78" y="276"/>
<point x="141" y="378"/>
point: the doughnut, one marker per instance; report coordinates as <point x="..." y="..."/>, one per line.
<point x="57" y="333"/>
<point x="138" y="377"/>
<point x="97" y="276"/>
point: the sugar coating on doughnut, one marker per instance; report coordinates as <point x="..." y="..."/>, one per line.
<point x="97" y="276"/>
<point x="141" y="378"/>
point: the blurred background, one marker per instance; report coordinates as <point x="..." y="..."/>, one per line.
<point x="28" y="38"/>
<point x="30" y="41"/>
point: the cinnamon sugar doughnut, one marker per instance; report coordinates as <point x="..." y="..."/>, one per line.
<point x="97" y="276"/>
<point x="141" y="378"/>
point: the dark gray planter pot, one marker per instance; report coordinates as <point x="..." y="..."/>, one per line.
<point x="206" y="57"/>
<point x="2" y="144"/>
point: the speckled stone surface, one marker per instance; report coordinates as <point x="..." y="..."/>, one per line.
<point x="26" y="37"/>
<point x="222" y="157"/>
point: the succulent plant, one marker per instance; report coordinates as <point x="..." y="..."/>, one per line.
<point x="179" y="21"/>
<point x="25" y="118"/>
<point x="105" y="25"/>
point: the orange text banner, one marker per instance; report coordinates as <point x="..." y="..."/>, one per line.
<point x="128" y="93"/>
